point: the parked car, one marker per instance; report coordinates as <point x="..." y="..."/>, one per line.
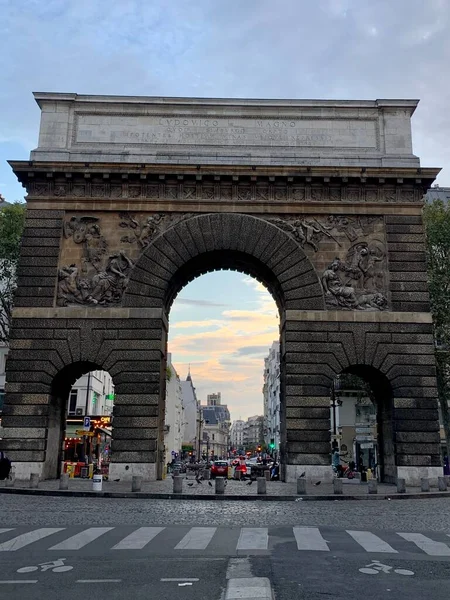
<point x="219" y="468"/>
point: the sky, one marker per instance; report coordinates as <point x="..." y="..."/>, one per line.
<point x="325" y="49"/>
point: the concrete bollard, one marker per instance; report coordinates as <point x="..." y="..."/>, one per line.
<point x="136" y="483"/>
<point x="301" y="486"/>
<point x="447" y="479"/>
<point x="238" y="475"/>
<point x="442" y="484"/>
<point x="373" y="486"/>
<point x="261" y="485"/>
<point x="220" y="485"/>
<point x="64" y="481"/>
<point x="267" y="474"/>
<point x="401" y="485"/>
<point x="177" y="484"/>
<point x="338" y="487"/>
<point x="34" y="480"/>
<point x="425" y="484"/>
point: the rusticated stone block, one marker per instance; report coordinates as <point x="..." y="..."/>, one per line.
<point x="23" y="421"/>
<point x="25" y="409"/>
<point x="26" y="455"/>
<point x="147" y="399"/>
<point x="411" y="449"/>
<point x="420" y="460"/>
<point x="314" y="447"/>
<point x="419" y="437"/>
<point x="307" y="459"/>
<point x="150" y="422"/>
<point x="413" y="425"/>
<point x="129" y="445"/>
<point x="133" y="457"/>
<point x="302" y="402"/>
<point x="303" y="435"/>
<point x="21" y="444"/>
<point x="136" y="433"/>
<point x="308" y="413"/>
<point x="417" y="414"/>
<point x="127" y="410"/>
<point x="413" y="403"/>
<point x="308" y="424"/>
<point x="24" y="433"/>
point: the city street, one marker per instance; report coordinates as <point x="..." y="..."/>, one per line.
<point x="113" y="548"/>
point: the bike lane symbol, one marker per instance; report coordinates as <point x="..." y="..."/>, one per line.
<point x="57" y="566"/>
<point x="377" y="567"/>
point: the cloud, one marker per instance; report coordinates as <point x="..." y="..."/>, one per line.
<point x="190" y="302"/>
<point x="252" y="350"/>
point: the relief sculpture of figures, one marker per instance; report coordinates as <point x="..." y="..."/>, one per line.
<point x="99" y="279"/>
<point x="143" y="230"/>
<point x="86" y="231"/>
<point x="358" y="282"/>
<point x="306" y="231"/>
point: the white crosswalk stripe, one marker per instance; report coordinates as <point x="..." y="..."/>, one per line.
<point x="138" y="539"/>
<point x="310" y="538"/>
<point x="197" y="538"/>
<point x="426" y="544"/>
<point x="371" y="542"/>
<point x="81" y="539"/>
<point x="28" y="538"/>
<point x="253" y="538"/>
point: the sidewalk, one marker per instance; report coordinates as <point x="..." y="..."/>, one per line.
<point x="235" y="490"/>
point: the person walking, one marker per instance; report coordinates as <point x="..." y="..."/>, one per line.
<point x="5" y="466"/>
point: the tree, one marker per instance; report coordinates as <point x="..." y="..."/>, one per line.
<point x="437" y="227"/>
<point x="12" y="218"/>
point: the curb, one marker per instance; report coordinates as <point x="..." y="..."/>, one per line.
<point x="236" y="497"/>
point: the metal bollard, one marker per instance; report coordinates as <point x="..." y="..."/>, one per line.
<point x="206" y="474"/>
<point x="425" y="484"/>
<point x="136" y="483"/>
<point x="238" y="475"/>
<point x="177" y="484"/>
<point x="267" y="474"/>
<point x="34" y="480"/>
<point x="338" y="487"/>
<point x="301" y="486"/>
<point x="442" y="484"/>
<point x="261" y="485"/>
<point x="373" y="486"/>
<point x="64" y="481"/>
<point x="401" y="485"/>
<point x="220" y="485"/>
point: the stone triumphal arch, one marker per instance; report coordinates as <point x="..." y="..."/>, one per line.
<point x="131" y="198"/>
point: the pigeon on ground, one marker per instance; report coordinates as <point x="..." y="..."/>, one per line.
<point x="116" y="480"/>
<point x="198" y="481"/>
<point x="303" y="474"/>
<point x="318" y="483"/>
<point x="209" y="483"/>
<point x="190" y="484"/>
<point x="250" y="482"/>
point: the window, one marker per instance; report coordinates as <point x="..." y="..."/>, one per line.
<point x="2" y="399"/>
<point x="73" y="402"/>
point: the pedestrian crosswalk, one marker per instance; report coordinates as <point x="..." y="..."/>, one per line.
<point x="233" y="540"/>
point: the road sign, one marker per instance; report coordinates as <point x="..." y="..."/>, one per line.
<point x="366" y="446"/>
<point x="84" y="432"/>
<point x="362" y="430"/>
<point x="364" y="438"/>
<point x="87" y="423"/>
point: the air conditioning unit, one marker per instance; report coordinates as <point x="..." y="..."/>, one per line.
<point x="79" y="412"/>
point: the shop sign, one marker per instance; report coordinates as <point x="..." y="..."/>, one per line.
<point x="83" y="432"/>
<point x="362" y="430"/>
<point x="364" y="438"/>
<point x="366" y="446"/>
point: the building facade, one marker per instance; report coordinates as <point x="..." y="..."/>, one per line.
<point x="271" y="393"/>
<point x="216" y="422"/>
<point x="191" y="415"/>
<point x="91" y="395"/>
<point x="237" y="435"/>
<point x="253" y="432"/>
<point x="174" y="418"/>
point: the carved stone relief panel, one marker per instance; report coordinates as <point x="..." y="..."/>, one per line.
<point x="349" y="254"/>
<point x="99" y="252"/>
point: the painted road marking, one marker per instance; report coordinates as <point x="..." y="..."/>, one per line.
<point x="13" y="581"/>
<point x="81" y="539"/>
<point x="426" y="544"/>
<point x="371" y="542"/>
<point x="250" y="588"/>
<point x="197" y="538"/>
<point x="5" y="530"/>
<point x="99" y="580"/>
<point x="253" y="538"/>
<point x="179" y="579"/>
<point x="310" y="538"/>
<point x="28" y="538"/>
<point x="138" y="539"/>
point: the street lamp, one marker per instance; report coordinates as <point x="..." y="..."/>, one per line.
<point x="335" y="402"/>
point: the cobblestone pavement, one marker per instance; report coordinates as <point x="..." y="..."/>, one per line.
<point x="190" y="486"/>
<point x="432" y="514"/>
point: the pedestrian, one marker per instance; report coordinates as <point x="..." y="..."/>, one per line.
<point x="5" y="466"/>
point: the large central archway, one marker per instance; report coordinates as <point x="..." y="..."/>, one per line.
<point x="205" y="243"/>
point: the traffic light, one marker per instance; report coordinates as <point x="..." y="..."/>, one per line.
<point x="259" y="448"/>
<point x="272" y="444"/>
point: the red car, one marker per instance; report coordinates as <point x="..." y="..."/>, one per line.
<point x="219" y="468"/>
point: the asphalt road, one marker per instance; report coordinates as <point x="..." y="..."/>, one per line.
<point x="222" y="551"/>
